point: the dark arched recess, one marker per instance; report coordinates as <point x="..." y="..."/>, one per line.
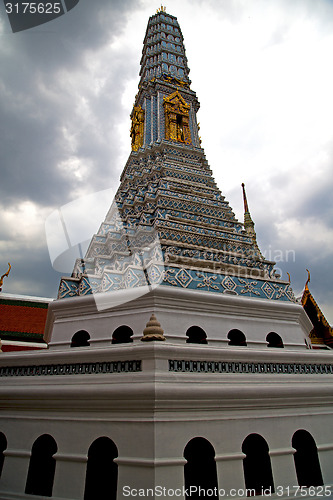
<point x="102" y="471"/>
<point x="257" y="465"/>
<point x="196" y="335"/>
<point x="236" y="338"/>
<point x="306" y="459"/>
<point x="3" y="446"/>
<point x="80" y="339"/>
<point x="42" y="467"/>
<point x="200" y="469"/>
<point x="122" y="335"/>
<point x="274" y="340"/>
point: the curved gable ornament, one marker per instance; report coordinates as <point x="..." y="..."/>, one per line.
<point x="4" y="276"/>
<point x="176" y="112"/>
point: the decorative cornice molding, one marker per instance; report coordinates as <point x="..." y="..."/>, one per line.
<point x="246" y="367"/>
<point x="102" y="367"/>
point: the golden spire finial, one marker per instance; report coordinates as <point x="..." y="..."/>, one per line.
<point x="6" y="274"/>
<point x="161" y="9"/>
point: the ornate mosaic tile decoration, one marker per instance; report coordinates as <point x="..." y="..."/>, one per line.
<point x="169" y="223"/>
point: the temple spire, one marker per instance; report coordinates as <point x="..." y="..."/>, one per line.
<point x="246" y="206"/>
<point x="165" y="107"/>
<point x="248" y="222"/>
<point x="169" y="222"/>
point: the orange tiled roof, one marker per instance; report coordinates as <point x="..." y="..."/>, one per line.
<point x="19" y="317"/>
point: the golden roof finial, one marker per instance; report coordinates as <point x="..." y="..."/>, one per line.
<point x="289" y="279"/>
<point x="161" y="9"/>
<point x="307" y="281"/>
<point x="6" y="274"/>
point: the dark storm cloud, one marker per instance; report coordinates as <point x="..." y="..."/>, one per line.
<point x="31" y="273"/>
<point x="43" y="74"/>
<point x="58" y="127"/>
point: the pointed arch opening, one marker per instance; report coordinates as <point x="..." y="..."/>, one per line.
<point x="41" y="467"/>
<point x="257" y="465"/>
<point x="102" y="471"/>
<point x="196" y="335"/>
<point x="200" y="469"/>
<point x="306" y="459"/>
<point x="122" y="335"/>
<point x="274" y="340"/>
<point x="236" y="338"/>
<point x="3" y="446"/>
<point x="80" y="339"/>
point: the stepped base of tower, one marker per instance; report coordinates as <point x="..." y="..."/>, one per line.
<point x="170" y="225"/>
<point x="179" y="364"/>
<point x="152" y="399"/>
<point x="177" y="310"/>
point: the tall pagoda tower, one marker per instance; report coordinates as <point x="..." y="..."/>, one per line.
<point x="179" y="363"/>
<point x="168" y="201"/>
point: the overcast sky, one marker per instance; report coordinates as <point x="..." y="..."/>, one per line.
<point x="264" y="77"/>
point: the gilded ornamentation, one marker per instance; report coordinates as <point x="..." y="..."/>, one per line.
<point x="174" y="80"/>
<point x="176" y="112"/>
<point x="200" y="141"/>
<point x="322" y="332"/>
<point x="138" y="117"/>
<point x="5" y="275"/>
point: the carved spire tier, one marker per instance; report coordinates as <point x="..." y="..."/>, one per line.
<point x="169" y="224"/>
<point x="165" y="101"/>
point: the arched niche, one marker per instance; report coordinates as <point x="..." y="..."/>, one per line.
<point x="122" y="335"/>
<point x="102" y="471"/>
<point x="236" y="338"/>
<point x="257" y="465"/>
<point x="273" y="339"/>
<point x="196" y="335"/>
<point x="200" y="469"/>
<point x="306" y="459"/>
<point x="41" y="467"/>
<point x="3" y="446"/>
<point x="80" y="339"/>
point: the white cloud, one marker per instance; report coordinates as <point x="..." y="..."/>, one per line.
<point x="309" y="235"/>
<point x="21" y="224"/>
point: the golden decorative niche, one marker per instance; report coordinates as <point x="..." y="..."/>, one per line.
<point x="176" y="112"/>
<point x="137" y="128"/>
